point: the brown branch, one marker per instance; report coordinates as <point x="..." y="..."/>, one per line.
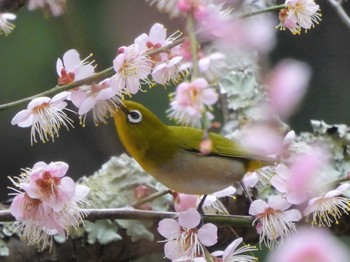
<point x="130" y="213"/>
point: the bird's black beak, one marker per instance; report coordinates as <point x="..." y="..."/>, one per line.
<point x="122" y="107"/>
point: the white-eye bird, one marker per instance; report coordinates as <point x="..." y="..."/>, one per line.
<point x="171" y="153"/>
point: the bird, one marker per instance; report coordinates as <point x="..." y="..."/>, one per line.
<point x="171" y="154"/>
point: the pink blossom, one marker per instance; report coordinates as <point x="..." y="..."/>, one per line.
<point x="132" y="68"/>
<point x="55" y="7"/>
<point x="273" y="220"/>
<point x="5" y="25"/>
<point x="72" y="68"/>
<point x="45" y="116"/>
<point x="191" y="101"/>
<point x="299" y="181"/>
<point x="49" y="203"/>
<point x="49" y="184"/>
<point x="166" y="64"/>
<point x="100" y="98"/>
<point x="183" y="238"/>
<point x="287" y="84"/>
<point x="299" y="14"/>
<point x="308" y="244"/>
<point x="329" y="207"/>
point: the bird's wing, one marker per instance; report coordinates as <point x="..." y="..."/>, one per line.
<point x="189" y="139"/>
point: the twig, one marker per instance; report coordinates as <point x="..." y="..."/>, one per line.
<point x="130" y="213"/>
<point x="336" y="4"/>
<point x="262" y="11"/>
<point x="96" y="77"/>
<point x="150" y="198"/>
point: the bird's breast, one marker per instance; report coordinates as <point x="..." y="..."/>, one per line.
<point x="192" y="173"/>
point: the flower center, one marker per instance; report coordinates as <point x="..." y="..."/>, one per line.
<point x="47" y="184"/>
<point x="66" y="77"/>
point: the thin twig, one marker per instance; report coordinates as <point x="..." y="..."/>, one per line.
<point x="336" y="4"/>
<point x="150" y="198"/>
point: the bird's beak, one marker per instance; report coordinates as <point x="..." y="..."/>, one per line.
<point x="122" y="107"/>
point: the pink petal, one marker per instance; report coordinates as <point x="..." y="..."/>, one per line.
<point x="293" y="215"/>
<point x="71" y="60"/>
<point x="190" y="218"/>
<point x="16" y="207"/>
<point x="58" y="169"/>
<point x="59" y="67"/>
<point x="169" y="228"/>
<point x="23" y="118"/>
<point x="172" y="250"/>
<point x="296" y="198"/>
<point x="77" y="97"/>
<point x="200" y="82"/>
<point x="278" y="203"/>
<point x="87" y="105"/>
<point x="83" y="72"/>
<point x="279" y="183"/>
<point x="258" y="207"/>
<point x="208" y="234"/>
<point x="81" y="192"/>
<point x="38" y="102"/>
<point x="105" y="94"/>
<point x="157" y="34"/>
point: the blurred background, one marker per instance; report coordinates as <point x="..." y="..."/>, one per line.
<point x="28" y="66"/>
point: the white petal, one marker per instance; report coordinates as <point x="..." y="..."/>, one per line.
<point x="208" y="234"/>
<point x="71" y="60"/>
<point x="278" y="203"/>
<point x="258" y="207"/>
<point x="293" y="215"/>
<point x="189" y="218"/>
<point x="169" y="228"/>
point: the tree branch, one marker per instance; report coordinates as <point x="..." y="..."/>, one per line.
<point x="96" y="77"/>
<point x="130" y="213"/>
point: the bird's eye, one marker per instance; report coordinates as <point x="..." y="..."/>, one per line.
<point x="134" y="116"/>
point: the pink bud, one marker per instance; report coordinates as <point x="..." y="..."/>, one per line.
<point x="141" y="191"/>
<point x="206" y="146"/>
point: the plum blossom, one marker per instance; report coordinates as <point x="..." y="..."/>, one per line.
<point x="310" y="244"/>
<point x="233" y="253"/>
<point x="191" y="101"/>
<point x="55" y="7"/>
<point x="167" y="63"/>
<point x="272" y="219"/>
<point x="100" y="98"/>
<point x="5" y="25"/>
<point x="299" y="14"/>
<point x="329" y="207"/>
<point x="46" y="202"/>
<point x="287" y="84"/>
<point x="299" y="180"/>
<point x="71" y="68"/>
<point x="132" y="68"/>
<point x="184" y="240"/>
<point x="45" y="116"/>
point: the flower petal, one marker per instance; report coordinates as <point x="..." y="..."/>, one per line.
<point x="208" y="234"/>
<point x="190" y="218"/>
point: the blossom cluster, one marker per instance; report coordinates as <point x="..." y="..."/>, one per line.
<point x="46" y="203"/>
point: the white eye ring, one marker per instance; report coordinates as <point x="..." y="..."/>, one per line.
<point x="134" y="116"/>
